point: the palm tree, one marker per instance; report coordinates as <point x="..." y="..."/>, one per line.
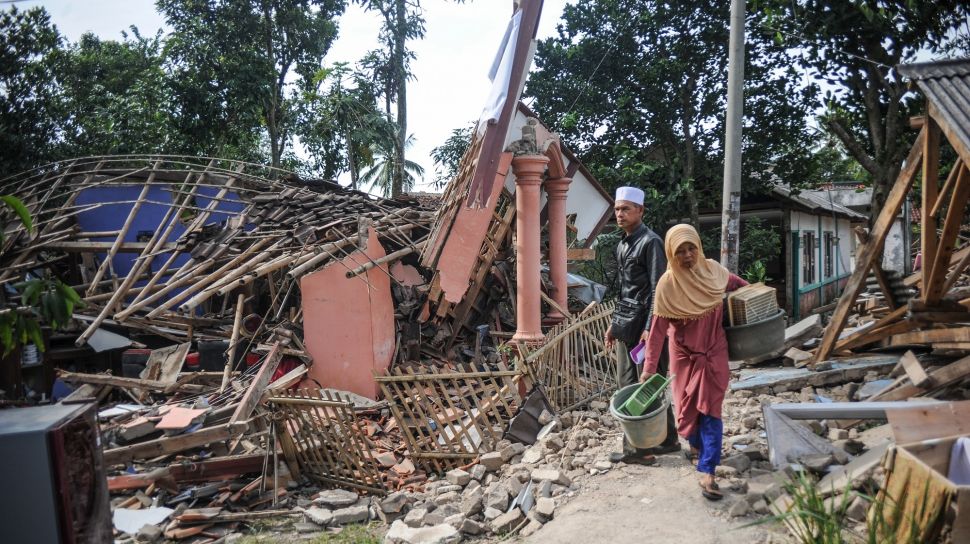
<point x="381" y="175"/>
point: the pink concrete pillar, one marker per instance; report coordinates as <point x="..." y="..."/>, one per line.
<point x="528" y="171"/>
<point x="556" y="189"/>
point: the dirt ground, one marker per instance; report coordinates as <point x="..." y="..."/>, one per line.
<point x="659" y="504"/>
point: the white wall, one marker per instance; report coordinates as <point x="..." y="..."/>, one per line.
<point x="845" y="255"/>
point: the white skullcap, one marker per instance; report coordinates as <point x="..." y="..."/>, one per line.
<point x="630" y="194"/>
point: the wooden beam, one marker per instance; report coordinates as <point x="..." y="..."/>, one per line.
<point x="130" y="383"/>
<point x="953" y="372"/>
<point x="957" y="258"/>
<point x="580" y="254"/>
<point x="948" y="185"/>
<point x="933" y="291"/>
<point x="255" y="391"/>
<point x="961" y="334"/>
<point x="98" y="247"/>
<point x="870" y="251"/>
<point x="174" y="444"/>
<point x="931" y="188"/>
<point x="873" y="336"/>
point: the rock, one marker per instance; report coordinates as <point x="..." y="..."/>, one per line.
<point x="838" y="434"/>
<point x="739" y="462"/>
<point x="395" y="502"/>
<point x="149" y="533"/>
<point x="507" y="521"/>
<point x="755" y="454"/>
<point x="817" y="463"/>
<point x="603" y="465"/>
<point x="760" y="507"/>
<point x="599" y="405"/>
<point x="545" y="508"/>
<point x="857" y="509"/>
<point x="740" y="439"/>
<point x="497" y="498"/>
<point x="553" y="443"/>
<point x="472" y="504"/>
<point x="531" y="528"/>
<point x="400" y="533"/>
<point x="533" y="455"/>
<point x="750" y="422"/>
<point x="351" y="514"/>
<point x="491" y="513"/>
<point x="545" y="417"/>
<point x="320" y="516"/>
<point x="545" y="489"/>
<point x="471" y="527"/>
<point x="478" y="472"/>
<point x="739" y="508"/>
<point x="551" y="475"/>
<point x="441" y="490"/>
<point x="336" y="498"/>
<point x="852" y="447"/>
<point x="579" y="462"/>
<point x="458" y="477"/>
<point x="435" y="518"/>
<point x="572" y="445"/>
<point x="722" y="471"/>
<point x="446" y="498"/>
<point x="492" y="461"/>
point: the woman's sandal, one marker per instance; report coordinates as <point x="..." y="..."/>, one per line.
<point x="691" y="456"/>
<point x="711" y="492"/>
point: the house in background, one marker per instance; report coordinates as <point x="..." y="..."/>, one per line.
<point x="817" y="251"/>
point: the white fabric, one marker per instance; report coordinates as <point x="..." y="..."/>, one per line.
<point x="959" y="472"/>
<point x="630" y="194"/>
<point x="501" y="73"/>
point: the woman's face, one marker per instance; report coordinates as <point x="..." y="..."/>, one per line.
<point x="686" y="255"/>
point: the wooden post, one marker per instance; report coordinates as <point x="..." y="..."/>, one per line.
<point x="933" y="291"/>
<point x="931" y="188"/>
<point x="233" y="341"/>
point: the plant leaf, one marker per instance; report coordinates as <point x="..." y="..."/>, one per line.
<point x="20" y="210"/>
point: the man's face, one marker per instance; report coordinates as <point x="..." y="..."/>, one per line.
<point x="628" y="214"/>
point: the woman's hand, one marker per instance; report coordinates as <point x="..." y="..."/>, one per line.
<point x="608" y="337"/>
<point x="646" y="375"/>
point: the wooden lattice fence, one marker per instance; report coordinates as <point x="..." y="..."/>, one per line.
<point x="322" y="432"/>
<point x="574" y="366"/>
<point x="451" y="417"/>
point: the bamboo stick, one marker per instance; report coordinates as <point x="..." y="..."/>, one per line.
<point x="386" y="259"/>
<point x="233" y="341"/>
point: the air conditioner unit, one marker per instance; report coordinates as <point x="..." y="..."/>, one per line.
<point x="53" y="482"/>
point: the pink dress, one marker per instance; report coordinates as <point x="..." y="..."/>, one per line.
<point x="698" y="362"/>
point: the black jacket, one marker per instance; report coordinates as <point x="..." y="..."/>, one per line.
<point x="640" y="262"/>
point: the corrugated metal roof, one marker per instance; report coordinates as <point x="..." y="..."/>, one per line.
<point x="816" y="202"/>
<point x="947" y="85"/>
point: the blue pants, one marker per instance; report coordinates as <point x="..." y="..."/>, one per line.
<point x="707" y="440"/>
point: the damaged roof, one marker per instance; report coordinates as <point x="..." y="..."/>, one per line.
<point x="946" y="85"/>
<point x="815" y="202"/>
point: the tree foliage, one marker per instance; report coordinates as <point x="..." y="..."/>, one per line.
<point x="639" y="89"/>
<point x="854" y="47"/>
<point x="447" y="156"/>
<point x="29" y="107"/>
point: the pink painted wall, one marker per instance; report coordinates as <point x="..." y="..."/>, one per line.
<point x="465" y="239"/>
<point x="348" y="323"/>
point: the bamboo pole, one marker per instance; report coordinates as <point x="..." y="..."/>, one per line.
<point x="233" y="341"/>
<point x="386" y="259"/>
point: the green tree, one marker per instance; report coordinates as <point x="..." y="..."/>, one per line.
<point x="380" y="176"/>
<point x="342" y="123"/>
<point x="30" y="109"/>
<point x="854" y="46"/>
<point x="115" y="93"/>
<point x="639" y="88"/>
<point x="240" y="66"/>
<point x="447" y="156"/>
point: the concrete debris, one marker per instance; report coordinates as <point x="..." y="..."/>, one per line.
<point x="400" y="533"/>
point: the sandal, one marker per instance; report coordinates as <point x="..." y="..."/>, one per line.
<point x="691" y="456"/>
<point x="711" y="492"/>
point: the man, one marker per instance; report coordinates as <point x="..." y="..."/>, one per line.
<point x="640" y="262"/>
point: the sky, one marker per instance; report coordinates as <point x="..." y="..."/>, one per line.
<point x="451" y="70"/>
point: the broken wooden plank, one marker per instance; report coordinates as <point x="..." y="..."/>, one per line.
<point x="956" y="334"/>
<point x="174" y="444"/>
<point x="951" y="373"/>
<point x="925" y="421"/>
<point x="914" y="370"/>
<point x="255" y="391"/>
<point x="580" y="254"/>
<point x="128" y="383"/>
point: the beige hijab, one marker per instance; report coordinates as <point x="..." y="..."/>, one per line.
<point x="688" y="293"/>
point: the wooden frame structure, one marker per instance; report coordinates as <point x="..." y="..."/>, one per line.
<point x="946" y="85"/>
<point x="451" y="417"/>
<point x="320" y="430"/>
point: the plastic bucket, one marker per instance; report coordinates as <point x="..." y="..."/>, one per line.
<point x="644" y="431"/>
<point x="756" y="339"/>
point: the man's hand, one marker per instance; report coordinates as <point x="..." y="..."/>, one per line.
<point x="644" y="335"/>
<point x="646" y="375"/>
<point x="608" y="337"/>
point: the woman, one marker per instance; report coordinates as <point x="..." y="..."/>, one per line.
<point x="688" y="309"/>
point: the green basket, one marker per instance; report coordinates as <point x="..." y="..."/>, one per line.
<point x="645" y="395"/>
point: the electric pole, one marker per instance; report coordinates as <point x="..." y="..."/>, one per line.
<point x="731" y="200"/>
